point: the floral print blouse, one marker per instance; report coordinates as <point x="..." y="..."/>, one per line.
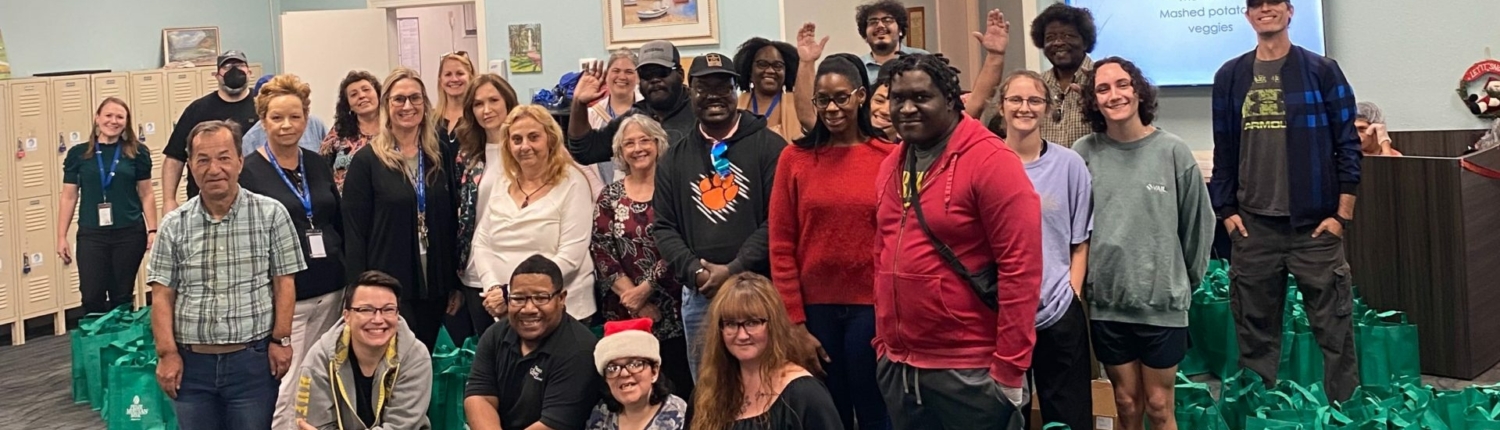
<point x="671" y="416"/>
<point x="623" y="246"/>
<point x="339" y="152"/>
<point x="470" y="173"/>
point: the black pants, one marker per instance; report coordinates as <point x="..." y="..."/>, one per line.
<point x="108" y="261"/>
<point x="472" y="319"/>
<point x="1060" y="367"/>
<point x="425" y="317"/>
<point x="951" y="399"/>
<point x="674" y="366"/>
<point x="1257" y="296"/>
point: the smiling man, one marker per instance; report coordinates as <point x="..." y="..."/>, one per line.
<point x="664" y="100"/>
<point x="883" y="25"/>
<point x="534" y="370"/>
<point x="1286" y="166"/>
<point x="1066" y="35"/>
<point x="713" y="194"/>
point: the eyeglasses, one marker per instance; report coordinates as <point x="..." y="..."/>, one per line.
<point x="372" y="312"/>
<point x="464" y="54"/>
<point x="1016" y="101"/>
<point x="633" y="367"/>
<point x="753" y="325"/>
<point x="538" y="299"/>
<point x="773" y="65"/>
<point x="1057" y="114"/>
<point x="415" y="99"/>
<point x="821" y="101"/>
<point x="886" y="20"/>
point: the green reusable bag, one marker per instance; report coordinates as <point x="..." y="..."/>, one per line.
<point x="118" y="324"/>
<point x="1451" y="406"/>
<point x="86" y="327"/>
<point x="1483" y="417"/>
<point x="1195" y="408"/>
<point x="134" y="400"/>
<point x="112" y="354"/>
<point x="451" y="367"/>
<point x="1211" y="324"/>
<point x="1240" y="395"/>
<point x="1389" y="351"/>
<point x="1301" y="357"/>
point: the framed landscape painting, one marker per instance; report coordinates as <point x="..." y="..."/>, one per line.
<point x="631" y="23"/>
<point x="197" y="45"/>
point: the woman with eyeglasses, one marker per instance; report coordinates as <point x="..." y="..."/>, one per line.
<point x="768" y="70"/>
<point x="635" y="396"/>
<point x="621" y="82"/>
<point x="399" y="215"/>
<point x="756" y="373"/>
<point x="454" y="72"/>
<point x="368" y="371"/>
<point x="355" y="123"/>
<point x="829" y="294"/>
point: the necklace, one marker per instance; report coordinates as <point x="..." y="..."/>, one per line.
<point x="527" y="200"/>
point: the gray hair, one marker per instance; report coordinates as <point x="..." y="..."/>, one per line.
<point x="622" y="54"/>
<point x="648" y="126"/>
<point x="211" y="127"/>
<point x="1370" y="112"/>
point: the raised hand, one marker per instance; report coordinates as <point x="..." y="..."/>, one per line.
<point x="809" y="48"/>
<point x="590" y="83"/>
<point x="996" y="33"/>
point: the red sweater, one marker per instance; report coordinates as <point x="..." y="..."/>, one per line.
<point x="822" y="216"/>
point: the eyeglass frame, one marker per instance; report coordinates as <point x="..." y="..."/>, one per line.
<point x="617" y="369"/>
<point x="749" y="326"/>
<point x="539" y="300"/>
<point x="373" y="312"/>
<point x="820" y="105"/>
<point x="413" y="99"/>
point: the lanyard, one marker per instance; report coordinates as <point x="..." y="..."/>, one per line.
<point x="755" y="105"/>
<point x="303" y="195"/>
<point x="421" y="187"/>
<point x="609" y="109"/>
<point x="106" y="178"/>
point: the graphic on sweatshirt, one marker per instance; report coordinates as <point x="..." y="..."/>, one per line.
<point x="718" y="196"/>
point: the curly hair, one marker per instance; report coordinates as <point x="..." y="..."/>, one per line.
<point x="282" y="85"/>
<point x="1078" y="17"/>
<point x="345" y="122"/>
<point x="943" y="75"/>
<point x="1145" y="94"/>
<point x="744" y="61"/>
<point x="891" y="7"/>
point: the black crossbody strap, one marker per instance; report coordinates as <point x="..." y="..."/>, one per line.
<point x="913" y="198"/>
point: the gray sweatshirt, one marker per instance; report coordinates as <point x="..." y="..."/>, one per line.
<point x="406" y="393"/>
<point x="1153" y="228"/>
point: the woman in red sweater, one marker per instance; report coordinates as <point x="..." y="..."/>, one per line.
<point x="822" y="207"/>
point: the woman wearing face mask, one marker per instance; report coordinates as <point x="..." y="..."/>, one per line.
<point x="813" y="225"/>
<point x="399" y="215"/>
<point x="767" y="72"/>
<point x="755" y="374"/>
<point x="106" y="181"/>
<point x="454" y="72"/>
<point x="480" y="139"/>
<point x="1061" y="357"/>
<point x="539" y="204"/>
<point x="1150" y="243"/>
<point x="635" y="395"/>
<point x="355" y="122"/>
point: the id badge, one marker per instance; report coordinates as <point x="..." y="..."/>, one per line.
<point x="315" y="244"/>
<point x="106" y="216"/>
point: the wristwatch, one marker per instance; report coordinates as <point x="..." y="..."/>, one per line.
<point x="1343" y="222"/>
<point x="284" y="341"/>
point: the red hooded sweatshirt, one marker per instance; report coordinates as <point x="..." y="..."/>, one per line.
<point x="977" y="199"/>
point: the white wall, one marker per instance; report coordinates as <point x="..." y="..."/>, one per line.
<point x="442" y="32"/>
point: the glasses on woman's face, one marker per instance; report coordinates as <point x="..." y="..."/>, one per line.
<point x="402" y="100"/>
<point x="1017" y="101"/>
<point x="751" y="326"/>
<point x="634" y="367"/>
<point x="373" y="312"/>
<point x="821" y="101"/>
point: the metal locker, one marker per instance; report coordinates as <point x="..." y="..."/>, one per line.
<point x="68" y="273"/>
<point x="183" y="88"/>
<point x="209" y="82"/>
<point x="7" y="166"/>
<point x="256" y="70"/>
<point x="106" y="85"/>
<point x="36" y="146"/>
<point x="8" y="268"/>
<point x="148" y="107"/>
<point x="36" y="289"/>
<point x="73" y="120"/>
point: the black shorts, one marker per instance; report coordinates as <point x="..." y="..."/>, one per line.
<point x="1117" y="343"/>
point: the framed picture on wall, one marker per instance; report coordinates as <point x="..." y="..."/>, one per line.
<point x="632" y="23"/>
<point x="917" y="38"/>
<point x="197" y="45"/>
<point x="526" y="48"/>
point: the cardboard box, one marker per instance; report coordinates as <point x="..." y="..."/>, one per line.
<point x="1105" y="414"/>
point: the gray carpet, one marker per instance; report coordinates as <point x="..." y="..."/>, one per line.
<point x="36" y="390"/>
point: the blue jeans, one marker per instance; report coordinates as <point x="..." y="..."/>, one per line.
<point x="231" y="391"/>
<point x="694" y="310"/>
<point x="845" y="332"/>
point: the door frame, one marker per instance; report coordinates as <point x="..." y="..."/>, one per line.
<point x="390" y="7"/>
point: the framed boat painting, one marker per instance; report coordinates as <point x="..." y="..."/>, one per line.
<point x="631" y="23"/>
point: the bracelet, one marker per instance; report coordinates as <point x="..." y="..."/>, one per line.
<point x="151" y="231"/>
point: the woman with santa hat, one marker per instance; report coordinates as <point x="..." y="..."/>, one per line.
<point x="636" y="396"/>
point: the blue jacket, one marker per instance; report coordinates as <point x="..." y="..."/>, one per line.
<point x="1323" y="153"/>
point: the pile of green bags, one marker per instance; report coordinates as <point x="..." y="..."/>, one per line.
<point x="114" y="370"/>
<point x="450" y="373"/>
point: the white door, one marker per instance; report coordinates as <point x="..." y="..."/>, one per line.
<point x="321" y="61"/>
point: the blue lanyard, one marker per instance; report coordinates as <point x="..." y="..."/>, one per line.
<point x="755" y="105"/>
<point x="106" y="178"/>
<point x="421" y="187"/>
<point x="609" y="109"/>
<point x="303" y="195"/>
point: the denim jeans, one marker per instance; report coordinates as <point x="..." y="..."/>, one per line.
<point x="694" y="310"/>
<point x="845" y="332"/>
<point x="233" y="391"/>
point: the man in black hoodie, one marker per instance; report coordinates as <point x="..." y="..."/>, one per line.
<point x="660" y="70"/>
<point x="713" y="190"/>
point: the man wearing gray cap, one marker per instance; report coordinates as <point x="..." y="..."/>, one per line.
<point x="660" y="71"/>
<point x="231" y="102"/>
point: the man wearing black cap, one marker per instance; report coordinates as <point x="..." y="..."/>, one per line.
<point x="713" y="189"/>
<point x="231" y="102"/>
<point x="660" y="71"/>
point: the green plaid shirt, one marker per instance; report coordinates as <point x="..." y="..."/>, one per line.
<point x="222" y="270"/>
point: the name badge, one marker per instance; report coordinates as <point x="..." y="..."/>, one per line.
<point x="315" y="244"/>
<point x="106" y="216"/>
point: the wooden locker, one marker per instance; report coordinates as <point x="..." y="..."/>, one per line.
<point x="148" y="107"/>
<point x="36" y="146"/>
<point x="73" y="119"/>
<point x="8" y="268"/>
<point x="106" y="85"/>
<point x="183" y="87"/>
<point x="36" y="286"/>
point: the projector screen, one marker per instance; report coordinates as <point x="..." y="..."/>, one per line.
<point x="1183" y="42"/>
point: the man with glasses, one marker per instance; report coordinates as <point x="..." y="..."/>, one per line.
<point x="883" y="25"/>
<point x="664" y="100"/>
<point x="231" y="102"/>
<point x="370" y="358"/>
<point x="713" y="193"/>
<point x="1066" y="35"/>
<point x="536" y="367"/>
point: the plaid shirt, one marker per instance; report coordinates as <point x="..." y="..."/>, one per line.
<point x="1072" y="126"/>
<point x="221" y="270"/>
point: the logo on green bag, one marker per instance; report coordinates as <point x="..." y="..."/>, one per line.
<point x="136" y="411"/>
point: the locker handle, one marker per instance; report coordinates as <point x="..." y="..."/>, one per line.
<point x="62" y="145"/>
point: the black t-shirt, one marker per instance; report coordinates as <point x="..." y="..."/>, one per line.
<point x="323" y="275"/>
<point x="210" y="107"/>
<point x="556" y="384"/>
<point x="803" y="404"/>
<point x="364" y="385"/>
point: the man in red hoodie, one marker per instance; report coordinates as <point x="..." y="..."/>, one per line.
<point x="955" y="316"/>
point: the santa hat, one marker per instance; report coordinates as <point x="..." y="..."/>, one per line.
<point x="628" y="338"/>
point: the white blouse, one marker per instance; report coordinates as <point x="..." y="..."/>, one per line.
<point x="557" y="225"/>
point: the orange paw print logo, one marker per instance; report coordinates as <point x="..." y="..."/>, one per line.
<point x="718" y="191"/>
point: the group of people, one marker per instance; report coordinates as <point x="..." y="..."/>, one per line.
<point x="771" y="239"/>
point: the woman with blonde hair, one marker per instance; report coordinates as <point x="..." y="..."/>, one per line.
<point x="399" y="215"/>
<point x="756" y="373"/>
<point x="538" y="203"/>
<point x="455" y="70"/>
